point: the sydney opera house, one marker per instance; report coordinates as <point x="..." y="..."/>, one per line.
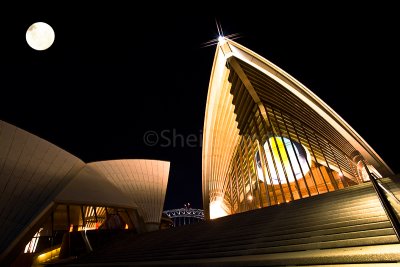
<point x="51" y="201"/>
<point x="286" y="182"/>
<point x="269" y="140"/>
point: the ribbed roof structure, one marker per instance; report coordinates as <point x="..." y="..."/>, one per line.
<point x="143" y="181"/>
<point x="36" y="176"/>
<point x="247" y="90"/>
<point x="32" y="173"/>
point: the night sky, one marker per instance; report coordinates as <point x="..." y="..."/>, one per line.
<point x="115" y="73"/>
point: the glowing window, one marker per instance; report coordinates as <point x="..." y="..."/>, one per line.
<point x="295" y="154"/>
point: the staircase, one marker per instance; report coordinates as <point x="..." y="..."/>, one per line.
<point x="347" y="226"/>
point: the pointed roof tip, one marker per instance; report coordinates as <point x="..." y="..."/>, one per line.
<point x="228" y="38"/>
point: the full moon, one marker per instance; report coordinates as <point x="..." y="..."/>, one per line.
<point x="40" y="36"/>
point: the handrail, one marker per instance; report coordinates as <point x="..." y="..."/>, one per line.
<point x="388" y="191"/>
<point x="387" y="207"/>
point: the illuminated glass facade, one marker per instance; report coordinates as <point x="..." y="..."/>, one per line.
<point x="283" y="162"/>
<point x="65" y="230"/>
<point x="269" y="140"/>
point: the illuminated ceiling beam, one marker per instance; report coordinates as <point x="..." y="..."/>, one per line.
<point x="245" y="80"/>
<point x="231" y="49"/>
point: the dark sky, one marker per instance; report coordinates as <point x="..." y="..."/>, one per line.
<point x="115" y="73"/>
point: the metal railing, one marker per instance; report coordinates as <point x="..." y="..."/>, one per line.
<point x="387" y="191"/>
<point x="387" y="206"/>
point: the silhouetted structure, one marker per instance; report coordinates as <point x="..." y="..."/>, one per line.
<point x="185" y="215"/>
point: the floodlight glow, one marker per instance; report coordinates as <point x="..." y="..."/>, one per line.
<point x="221" y="39"/>
<point x="216" y="209"/>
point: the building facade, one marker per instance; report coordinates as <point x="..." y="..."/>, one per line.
<point x="269" y="140"/>
<point x="50" y="197"/>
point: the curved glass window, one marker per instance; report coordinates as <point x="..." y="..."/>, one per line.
<point x="295" y="156"/>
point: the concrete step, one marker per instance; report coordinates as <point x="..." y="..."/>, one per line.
<point x="287" y="234"/>
<point x="368" y="256"/>
<point x="287" y="213"/>
<point x="299" y="206"/>
<point x="316" y="207"/>
<point x="284" y="240"/>
<point x="180" y="238"/>
<point x="294" y="222"/>
<point x="224" y="252"/>
<point x="333" y="218"/>
<point x="388" y="264"/>
<point x="304" y="226"/>
<point x="343" y="221"/>
<point x="305" y="222"/>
